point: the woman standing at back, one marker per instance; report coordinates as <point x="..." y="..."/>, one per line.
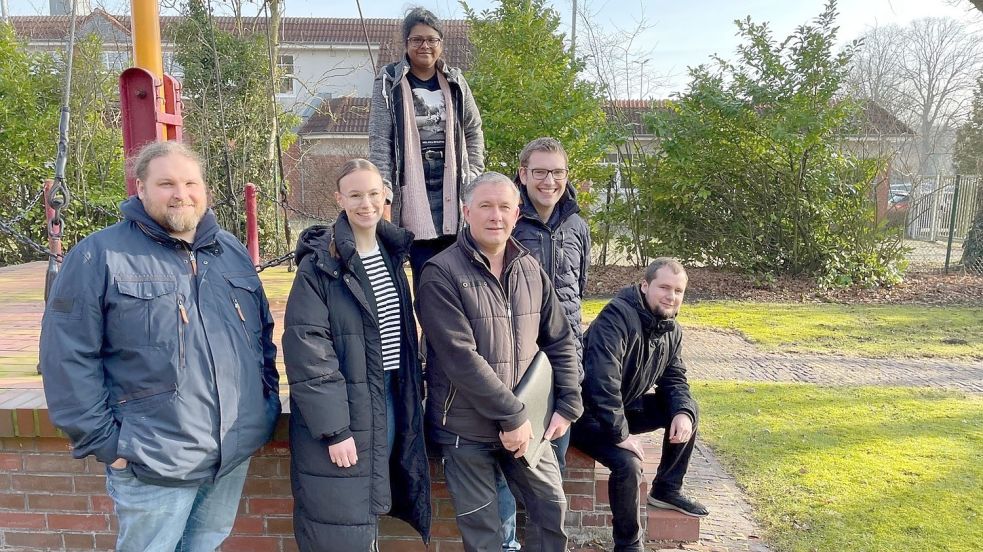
<point x="425" y="137"/>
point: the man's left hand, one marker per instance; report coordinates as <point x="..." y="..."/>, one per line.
<point x="681" y="429"/>
<point x="558" y="426"/>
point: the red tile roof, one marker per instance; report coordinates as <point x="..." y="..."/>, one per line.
<point x="346" y="115"/>
<point x="383" y="33"/>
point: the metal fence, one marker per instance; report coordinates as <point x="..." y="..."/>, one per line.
<point x="937" y="212"/>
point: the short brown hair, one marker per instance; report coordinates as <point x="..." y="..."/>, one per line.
<point x="154" y="150"/>
<point x="671" y="262"/>
<point x="547" y="144"/>
<point x="355" y="165"/>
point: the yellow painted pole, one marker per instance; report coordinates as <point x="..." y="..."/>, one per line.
<point x="145" y="29"/>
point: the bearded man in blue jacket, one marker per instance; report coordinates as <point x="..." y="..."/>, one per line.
<point x="157" y="358"/>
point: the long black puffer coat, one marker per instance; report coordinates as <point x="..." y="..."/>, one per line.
<point x="333" y="355"/>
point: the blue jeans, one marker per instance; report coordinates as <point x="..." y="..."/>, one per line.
<point x="506" y="511"/>
<point x="174" y="519"/>
<point x="506" y="502"/>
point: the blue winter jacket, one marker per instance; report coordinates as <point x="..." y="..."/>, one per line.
<point x="160" y="352"/>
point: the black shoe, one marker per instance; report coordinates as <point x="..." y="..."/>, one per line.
<point x="676" y="501"/>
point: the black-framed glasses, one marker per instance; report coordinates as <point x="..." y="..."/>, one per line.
<point x="558" y="174"/>
<point x="417" y="41"/>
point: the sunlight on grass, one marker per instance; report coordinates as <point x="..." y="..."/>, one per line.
<point x="868" y="330"/>
<point x="883" y="331"/>
<point x="859" y="469"/>
<point x="277" y="282"/>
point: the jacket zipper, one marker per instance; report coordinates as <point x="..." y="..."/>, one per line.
<point x="553" y="255"/>
<point x="242" y="318"/>
<point x="508" y="312"/>
<point x="180" y="337"/>
<point x="447" y="404"/>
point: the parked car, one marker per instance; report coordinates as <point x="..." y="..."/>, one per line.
<point x="897" y="209"/>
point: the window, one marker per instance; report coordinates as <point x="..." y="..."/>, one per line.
<point x="115" y="60"/>
<point x="285" y="67"/>
<point x="171" y="66"/>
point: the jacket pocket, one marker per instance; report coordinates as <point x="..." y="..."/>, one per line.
<point x="144" y="417"/>
<point x="244" y="300"/>
<point x="145" y="312"/>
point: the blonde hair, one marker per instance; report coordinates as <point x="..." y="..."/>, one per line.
<point x="355" y="165"/>
<point x="155" y="150"/>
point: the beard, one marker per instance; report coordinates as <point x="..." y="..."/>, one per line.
<point x="664" y="314"/>
<point x="177" y="222"/>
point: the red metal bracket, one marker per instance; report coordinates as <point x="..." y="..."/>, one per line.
<point x="142" y="120"/>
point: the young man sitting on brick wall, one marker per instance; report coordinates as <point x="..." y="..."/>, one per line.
<point x="633" y="345"/>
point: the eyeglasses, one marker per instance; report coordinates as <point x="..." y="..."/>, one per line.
<point x="417" y="41"/>
<point x="540" y="174"/>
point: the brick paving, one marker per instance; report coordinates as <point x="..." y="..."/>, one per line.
<point x="21" y="307"/>
<point x="722" y="356"/>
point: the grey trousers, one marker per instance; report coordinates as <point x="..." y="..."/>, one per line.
<point x="470" y="471"/>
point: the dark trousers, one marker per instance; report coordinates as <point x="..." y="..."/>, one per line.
<point x="470" y="472"/>
<point x="422" y="251"/>
<point x="626" y="468"/>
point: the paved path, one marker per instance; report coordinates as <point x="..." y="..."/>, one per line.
<point x="714" y="355"/>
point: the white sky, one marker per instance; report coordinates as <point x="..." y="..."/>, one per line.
<point x="683" y="33"/>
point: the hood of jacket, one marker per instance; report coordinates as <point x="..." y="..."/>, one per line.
<point x="566" y="206"/>
<point x="317" y="241"/>
<point x="652" y="325"/>
<point x="133" y="211"/>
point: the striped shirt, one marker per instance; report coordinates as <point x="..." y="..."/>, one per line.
<point x="387" y="306"/>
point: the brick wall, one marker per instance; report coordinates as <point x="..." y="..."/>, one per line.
<point x="50" y="501"/>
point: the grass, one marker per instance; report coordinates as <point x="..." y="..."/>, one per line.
<point x="881" y="331"/>
<point x="858" y="469"/>
<point x="276" y="283"/>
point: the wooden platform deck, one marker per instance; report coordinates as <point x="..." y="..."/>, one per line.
<point x="21" y="309"/>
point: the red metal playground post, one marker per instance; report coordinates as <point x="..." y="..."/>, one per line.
<point x="150" y="101"/>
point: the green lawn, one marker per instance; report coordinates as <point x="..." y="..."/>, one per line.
<point x="866" y="330"/>
<point x="852" y="469"/>
<point x="276" y="283"/>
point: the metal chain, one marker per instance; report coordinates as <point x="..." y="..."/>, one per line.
<point x="58" y="200"/>
<point x="274" y="262"/>
<point x="286" y="205"/>
<point x="101" y="210"/>
<point x="27" y="210"/>
<point x="29" y="242"/>
<point x="304" y="213"/>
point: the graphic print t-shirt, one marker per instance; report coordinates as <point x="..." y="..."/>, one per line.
<point x="431" y="113"/>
